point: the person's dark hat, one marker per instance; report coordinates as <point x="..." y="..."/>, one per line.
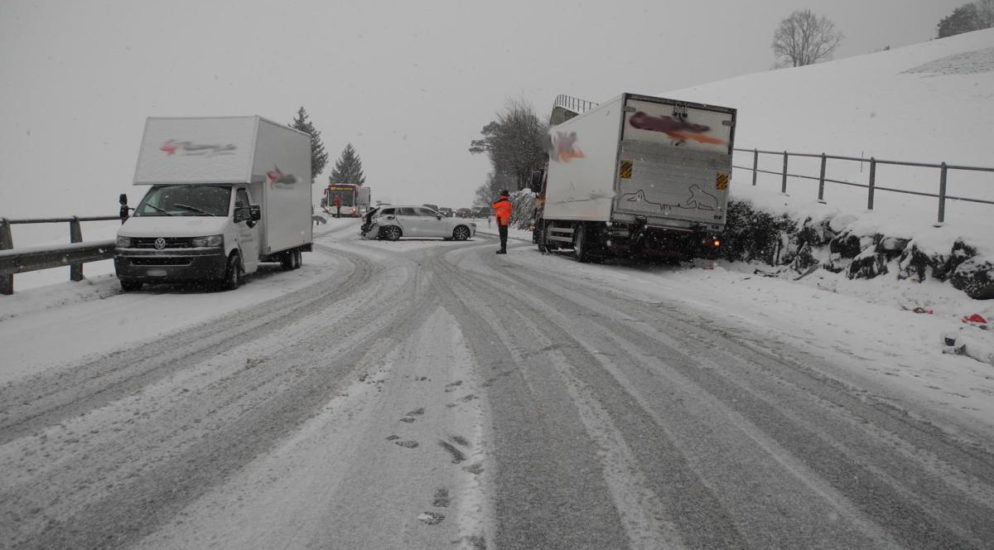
<point x="504" y="193"/>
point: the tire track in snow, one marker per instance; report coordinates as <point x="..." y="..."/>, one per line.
<point x="875" y="464"/>
<point x="553" y="520"/>
<point x="34" y="402"/>
<point x="254" y="408"/>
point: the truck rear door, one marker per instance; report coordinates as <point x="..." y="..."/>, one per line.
<point x="675" y="162"/>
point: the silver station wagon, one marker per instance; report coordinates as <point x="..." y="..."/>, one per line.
<point x="416" y="222"/>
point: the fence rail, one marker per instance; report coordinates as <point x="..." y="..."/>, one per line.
<point x="871" y="185"/>
<point x="37" y="258"/>
<point x="566" y="107"/>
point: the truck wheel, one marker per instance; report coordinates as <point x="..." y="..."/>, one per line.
<point x="581" y="244"/>
<point x="128" y="285"/>
<point x="460" y="233"/>
<point x="286" y="261"/>
<point x="391" y="233"/>
<point x="298" y="258"/>
<point x="232" y="273"/>
<point x="543" y="245"/>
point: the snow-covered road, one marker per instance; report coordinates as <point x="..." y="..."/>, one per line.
<point x="430" y="394"/>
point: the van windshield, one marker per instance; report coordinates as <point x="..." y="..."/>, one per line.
<point x="185" y="200"/>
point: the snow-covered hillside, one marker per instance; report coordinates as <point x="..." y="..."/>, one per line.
<point x="928" y="103"/>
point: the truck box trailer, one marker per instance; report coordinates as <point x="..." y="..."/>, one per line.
<point x="224" y="194"/>
<point x="637" y="176"/>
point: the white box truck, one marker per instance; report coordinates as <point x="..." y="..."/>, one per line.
<point x="637" y="176"/>
<point x="224" y="194"/>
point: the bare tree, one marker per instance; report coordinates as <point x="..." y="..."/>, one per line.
<point x="985" y="13"/>
<point x="515" y="143"/>
<point x="804" y="38"/>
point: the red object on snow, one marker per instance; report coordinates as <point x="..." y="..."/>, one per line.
<point x="975" y="319"/>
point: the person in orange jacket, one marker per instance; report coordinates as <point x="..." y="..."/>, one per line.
<point x="502" y="211"/>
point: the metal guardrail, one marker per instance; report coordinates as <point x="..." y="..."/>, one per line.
<point x="36" y="258"/>
<point x="871" y="185"/>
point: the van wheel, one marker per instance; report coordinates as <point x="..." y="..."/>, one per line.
<point x="128" y="285"/>
<point x="460" y="233"/>
<point x="232" y="273"/>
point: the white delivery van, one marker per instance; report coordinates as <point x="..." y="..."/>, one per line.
<point x="223" y="194"/>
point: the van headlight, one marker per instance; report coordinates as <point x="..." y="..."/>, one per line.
<point x="210" y="241"/>
<point x="123" y="242"/>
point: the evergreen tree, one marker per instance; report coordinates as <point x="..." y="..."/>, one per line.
<point x="348" y="168"/>
<point x="319" y="158"/>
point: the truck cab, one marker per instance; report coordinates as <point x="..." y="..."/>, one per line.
<point x="185" y="232"/>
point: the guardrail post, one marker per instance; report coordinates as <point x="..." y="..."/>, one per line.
<point x="75" y="236"/>
<point x="6" y="243"/>
<point x="783" y="188"/>
<point x="821" y="181"/>
<point x="873" y="181"/>
<point x="755" y="165"/>
<point x="942" y="194"/>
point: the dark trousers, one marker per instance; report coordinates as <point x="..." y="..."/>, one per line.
<point x="502" y="230"/>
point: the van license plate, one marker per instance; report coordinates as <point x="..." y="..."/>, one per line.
<point x="156" y="272"/>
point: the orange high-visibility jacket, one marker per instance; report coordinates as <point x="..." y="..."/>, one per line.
<point x="502" y="210"/>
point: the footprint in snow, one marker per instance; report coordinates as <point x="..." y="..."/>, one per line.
<point x="457" y="455"/>
<point x="466" y="399"/>
<point x="431" y="518"/>
<point x="441" y="498"/>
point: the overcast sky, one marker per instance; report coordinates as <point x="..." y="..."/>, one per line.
<point x="409" y="84"/>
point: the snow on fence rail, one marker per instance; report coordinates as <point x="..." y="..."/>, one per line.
<point x="35" y="258"/>
<point x="912" y="184"/>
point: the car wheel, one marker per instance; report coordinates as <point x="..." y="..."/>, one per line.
<point x="233" y="273"/>
<point x="128" y="285"/>
<point x="460" y="233"/>
<point x="391" y="233"/>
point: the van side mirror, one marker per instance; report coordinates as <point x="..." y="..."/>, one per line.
<point x="249" y="214"/>
<point x="123" y="199"/>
